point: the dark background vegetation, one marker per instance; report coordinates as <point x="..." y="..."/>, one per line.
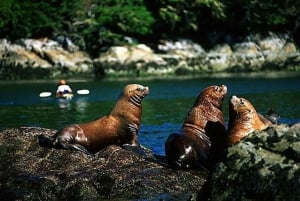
<point x="97" y="24"/>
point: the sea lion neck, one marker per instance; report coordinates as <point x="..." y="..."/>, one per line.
<point x="126" y="109"/>
<point x="202" y="100"/>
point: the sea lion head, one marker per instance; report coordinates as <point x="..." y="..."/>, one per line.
<point x="212" y="94"/>
<point x="135" y="93"/>
<point x="240" y="108"/>
<point x="243" y="119"/>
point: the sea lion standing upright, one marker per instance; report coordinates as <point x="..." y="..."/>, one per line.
<point x="202" y="134"/>
<point x="119" y="127"/>
<point x="243" y="119"/>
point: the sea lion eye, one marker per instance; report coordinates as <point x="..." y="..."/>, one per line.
<point x="139" y="88"/>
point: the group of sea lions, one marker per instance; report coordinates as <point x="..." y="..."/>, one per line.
<point x="200" y="142"/>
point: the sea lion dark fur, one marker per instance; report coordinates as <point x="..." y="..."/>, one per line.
<point x="119" y="127"/>
<point x="243" y="119"/>
<point x="202" y="134"/>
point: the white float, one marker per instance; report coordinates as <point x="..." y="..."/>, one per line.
<point x="45" y="94"/>
<point x="83" y="91"/>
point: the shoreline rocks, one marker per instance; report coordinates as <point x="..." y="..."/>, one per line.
<point x="45" y="58"/>
<point x="30" y="171"/>
<point x="264" y="166"/>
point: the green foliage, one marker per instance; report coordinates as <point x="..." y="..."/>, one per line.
<point x="267" y="14"/>
<point x="100" y="23"/>
<point x="30" y="18"/>
<point x="130" y="17"/>
<point x="181" y="17"/>
<point x="108" y="21"/>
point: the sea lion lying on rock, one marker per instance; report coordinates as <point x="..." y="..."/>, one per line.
<point x="243" y="119"/>
<point x="202" y="134"/>
<point x="119" y="127"/>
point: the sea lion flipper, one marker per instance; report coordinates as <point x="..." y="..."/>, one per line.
<point x="81" y="148"/>
<point x="134" y="148"/>
<point x="45" y="141"/>
<point x="75" y="146"/>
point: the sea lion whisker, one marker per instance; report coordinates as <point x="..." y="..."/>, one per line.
<point x="136" y="100"/>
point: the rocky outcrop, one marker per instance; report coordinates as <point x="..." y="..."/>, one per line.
<point x="256" y="53"/>
<point x="48" y="58"/>
<point x="264" y="166"/>
<point x="29" y="170"/>
<point x="130" y="60"/>
<point x="41" y="58"/>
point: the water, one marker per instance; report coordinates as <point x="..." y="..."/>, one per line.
<point x="163" y="109"/>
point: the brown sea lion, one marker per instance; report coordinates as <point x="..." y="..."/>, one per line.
<point x="203" y="132"/>
<point x="243" y="119"/>
<point x="119" y="127"/>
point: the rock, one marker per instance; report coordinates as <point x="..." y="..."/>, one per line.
<point x="254" y="53"/>
<point x="27" y="54"/>
<point x="18" y="55"/>
<point x="130" y="60"/>
<point x="184" y="46"/>
<point x="219" y="58"/>
<point x="264" y="166"/>
<point x="29" y="170"/>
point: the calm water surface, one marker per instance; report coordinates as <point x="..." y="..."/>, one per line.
<point x="164" y="109"/>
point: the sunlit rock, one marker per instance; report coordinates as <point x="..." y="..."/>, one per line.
<point x="130" y="59"/>
<point x="264" y="166"/>
<point x="26" y="54"/>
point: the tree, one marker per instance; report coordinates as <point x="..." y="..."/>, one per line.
<point x="258" y="15"/>
<point x="33" y="18"/>
<point x="108" y="21"/>
<point x="182" y="17"/>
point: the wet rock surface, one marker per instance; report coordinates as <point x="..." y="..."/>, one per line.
<point x="264" y="166"/>
<point x="29" y="170"/>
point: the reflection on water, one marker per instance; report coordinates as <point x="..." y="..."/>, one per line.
<point x="164" y="109"/>
<point x="64" y="103"/>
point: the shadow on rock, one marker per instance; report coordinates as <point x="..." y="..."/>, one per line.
<point x="30" y="170"/>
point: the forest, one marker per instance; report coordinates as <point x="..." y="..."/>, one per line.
<point x="96" y="24"/>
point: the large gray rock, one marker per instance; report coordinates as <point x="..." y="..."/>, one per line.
<point x="256" y="53"/>
<point x="264" y="166"/>
<point x="29" y="171"/>
<point x="131" y="59"/>
<point x="41" y="57"/>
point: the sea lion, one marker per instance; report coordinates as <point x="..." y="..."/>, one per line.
<point x="273" y="116"/>
<point x="119" y="127"/>
<point x="202" y="134"/>
<point x="243" y="119"/>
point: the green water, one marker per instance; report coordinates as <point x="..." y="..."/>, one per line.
<point x="163" y="109"/>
